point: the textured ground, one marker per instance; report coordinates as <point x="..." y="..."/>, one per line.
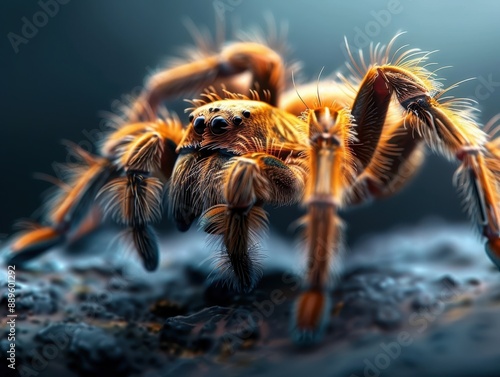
<point x="418" y="302"/>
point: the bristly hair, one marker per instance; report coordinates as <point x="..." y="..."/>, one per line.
<point x="210" y="95"/>
<point x="493" y="146"/>
<point x="337" y="252"/>
<point x="128" y="108"/>
<point x="385" y="153"/>
<point x="380" y="55"/>
<point x="345" y="130"/>
<point x="141" y="241"/>
<point x="205" y="45"/>
<point x="76" y="186"/>
<point x="465" y="187"/>
<point x="459" y="110"/>
<point x="237" y="237"/>
<point x="131" y="108"/>
<point x="274" y="36"/>
<point x="277" y="148"/>
<point x="411" y="59"/>
<point x="141" y="145"/>
<point x="223" y="272"/>
<point x="133" y="199"/>
<point x="472" y="198"/>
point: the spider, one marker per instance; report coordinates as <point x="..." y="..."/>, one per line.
<point x="253" y="140"/>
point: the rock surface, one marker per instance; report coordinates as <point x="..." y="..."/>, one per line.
<point x="416" y="302"/>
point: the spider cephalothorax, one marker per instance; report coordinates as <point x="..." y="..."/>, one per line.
<point x="251" y="142"/>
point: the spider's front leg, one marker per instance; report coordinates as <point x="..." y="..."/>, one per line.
<point x="145" y="155"/>
<point x="452" y="131"/>
<point x="339" y="152"/>
<point x="249" y="181"/>
<point x="137" y="159"/>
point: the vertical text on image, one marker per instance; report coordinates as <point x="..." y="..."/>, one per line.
<point x="11" y="317"/>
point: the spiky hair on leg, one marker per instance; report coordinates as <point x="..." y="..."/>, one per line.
<point x="237" y="237"/>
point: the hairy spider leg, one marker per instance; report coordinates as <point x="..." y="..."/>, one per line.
<point x="396" y="160"/>
<point x="67" y="211"/>
<point x="452" y="131"/>
<point x="250" y="181"/>
<point x="221" y="71"/>
<point x="138" y="158"/>
<point x="145" y="155"/>
<point x="343" y="143"/>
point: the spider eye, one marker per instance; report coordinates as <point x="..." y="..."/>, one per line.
<point x="246" y="113"/>
<point x="218" y="125"/>
<point x="191" y="117"/>
<point x="237" y="120"/>
<point x="199" y="125"/>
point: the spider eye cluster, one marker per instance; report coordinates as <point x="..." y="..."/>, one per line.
<point x="218" y="124"/>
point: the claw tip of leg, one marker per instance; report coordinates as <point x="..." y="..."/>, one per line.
<point x="310" y="318"/>
<point x="32" y="244"/>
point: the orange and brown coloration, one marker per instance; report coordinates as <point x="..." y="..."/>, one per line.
<point x="251" y="141"/>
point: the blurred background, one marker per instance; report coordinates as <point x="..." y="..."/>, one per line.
<point x="62" y="65"/>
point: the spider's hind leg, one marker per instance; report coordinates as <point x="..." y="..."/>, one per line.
<point x="397" y="159"/>
<point x="478" y="181"/>
<point x="449" y="127"/>
<point x="223" y="69"/>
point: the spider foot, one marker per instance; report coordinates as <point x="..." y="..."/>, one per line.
<point x="310" y="317"/>
<point x="32" y="243"/>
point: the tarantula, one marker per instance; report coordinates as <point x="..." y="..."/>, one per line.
<point x="251" y="141"/>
